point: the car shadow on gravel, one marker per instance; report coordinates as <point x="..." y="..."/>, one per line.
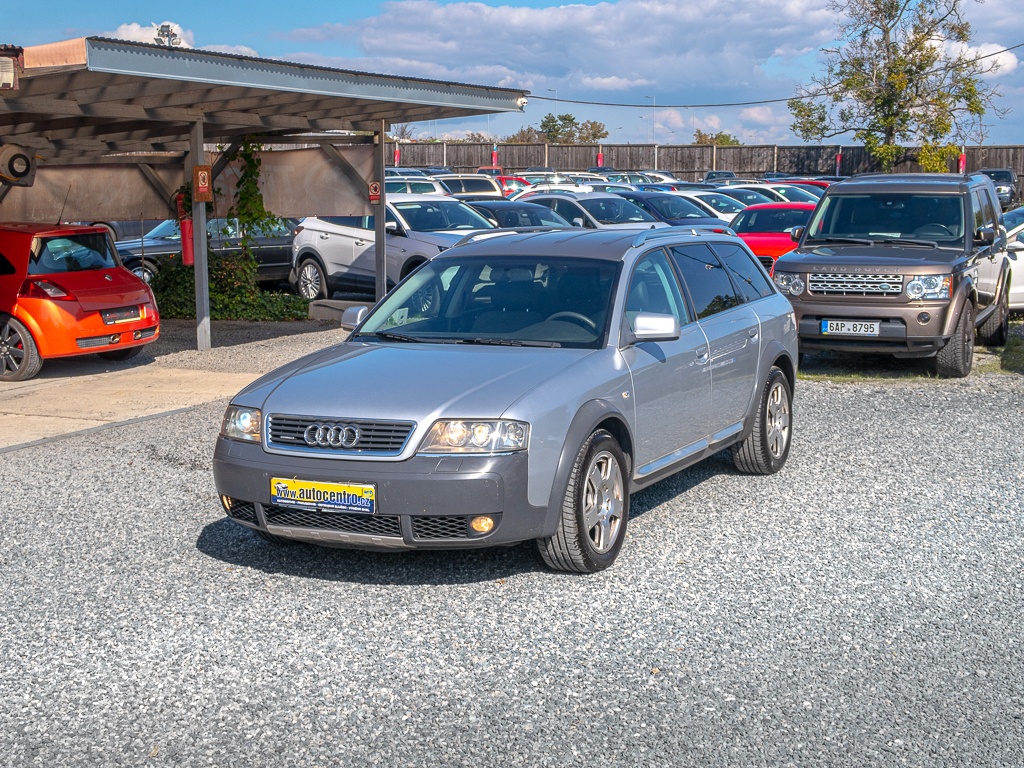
<point x="231" y="543"/>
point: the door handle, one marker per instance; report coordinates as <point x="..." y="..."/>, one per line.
<point x="752" y="333"/>
<point x="702" y="355"/>
<point x="324" y="236"/>
<point x="360" y="242"/>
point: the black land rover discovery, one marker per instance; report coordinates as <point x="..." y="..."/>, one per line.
<point x="906" y="264"/>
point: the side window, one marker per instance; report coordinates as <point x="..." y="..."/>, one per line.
<point x="979" y="210"/>
<point x="653" y="288"/>
<point x="747" y="275"/>
<point x="710" y="287"/>
<point x="6" y="268"/>
<point x="991" y="209"/>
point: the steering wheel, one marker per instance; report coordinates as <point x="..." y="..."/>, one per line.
<point x="576" y="317"/>
<point x="933" y="229"/>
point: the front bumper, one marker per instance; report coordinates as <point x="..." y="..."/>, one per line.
<point x="423" y="503"/>
<point x="902" y="331"/>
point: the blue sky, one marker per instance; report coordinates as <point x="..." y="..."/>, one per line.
<point x="657" y="55"/>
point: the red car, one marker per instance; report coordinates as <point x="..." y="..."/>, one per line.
<point x="64" y="292"/>
<point x="766" y="228"/>
<point x="511" y="184"/>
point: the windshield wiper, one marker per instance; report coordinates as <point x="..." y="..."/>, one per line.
<point x="392" y="336"/>
<point x="910" y="241"/>
<point x="856" y="240"/>
<point x="511" y="342"/>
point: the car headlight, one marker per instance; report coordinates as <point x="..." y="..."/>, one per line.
<point x="468" y="436"/>
<point x="789" y="283"/>
<point x="930" y="287"/>
<point x="242" y="423"/>
<point x="1002" y="188"/>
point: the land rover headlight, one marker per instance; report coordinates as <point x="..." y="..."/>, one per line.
<point x="930" y="287"/>
<point x="1002" y="188"/>
<point x="471" y="436"/>
<point x="789" y="283"/>
<point x="242" y="423"/>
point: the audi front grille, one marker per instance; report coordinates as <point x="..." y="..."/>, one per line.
<point x="377" y="438"/>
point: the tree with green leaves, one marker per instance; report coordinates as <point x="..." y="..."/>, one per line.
<point x="566" y="129"/>
<point x="721" y="138"/>
<point x="902" y="73"/>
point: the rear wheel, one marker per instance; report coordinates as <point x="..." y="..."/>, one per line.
<point x="954" y="360"/>
<point x="996" y="330"/>
<point x="766" y="448"/>
<point x="145" y="270"/>
<point x="594" y="510"/>
<point x="312" y="284"/>
<point x="19" y="356"/>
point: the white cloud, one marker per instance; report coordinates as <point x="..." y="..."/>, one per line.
<point x="140" y="33"/>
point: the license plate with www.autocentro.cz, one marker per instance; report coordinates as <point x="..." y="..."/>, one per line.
<point x="850" y="327"/>
<point x="335" y="497"/>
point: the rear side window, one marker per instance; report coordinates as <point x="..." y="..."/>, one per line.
<point x="709" y="285"/>
<point x="750" y="280"/>
<point x="359" y="222"/>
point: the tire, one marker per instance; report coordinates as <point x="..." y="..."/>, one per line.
<point x="19" y="355"/>
<point x="145" y="270"/>
<point x="595" y="509"/>
<point x="996" y="330"/>
<point x="766" y="448"/>
<point x="312" y="284"/>
<point x="954" y="360"/>
<point x="119" y="354"/>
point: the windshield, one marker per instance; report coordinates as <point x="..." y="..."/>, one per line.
<point x="1014" y="218"/>
<point x="721" y="203"/>
<point x="886" y="215"/>
<point x="615" y="210"/>
<point x="675" y="207"/>
<point x="794" y="194"/>
<point x="71" y="253"/>
<point x="763" y="220"/>
<point x="1003" y="176"/>
<point x="548" y="301"/>
<point x="748" y="196"/>
<point x="525" y="215"/>
<point x="440" y="215"/>
<point x="165" y="230"/>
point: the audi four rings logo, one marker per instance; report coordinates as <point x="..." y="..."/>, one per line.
<point x="331" y="435"/>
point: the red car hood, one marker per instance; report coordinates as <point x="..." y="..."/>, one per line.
<point x="772" y="244"/>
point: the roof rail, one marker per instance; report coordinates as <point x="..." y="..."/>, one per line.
<point x="695" y="229"/>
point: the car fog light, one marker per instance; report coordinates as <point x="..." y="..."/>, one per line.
<point x="227" y="502"/>
<point x="482" y="524"/>
<point x="115" y="338"/>
<point x="923" y="318"/>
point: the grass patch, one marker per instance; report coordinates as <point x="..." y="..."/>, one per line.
<point x="852" y="367"/>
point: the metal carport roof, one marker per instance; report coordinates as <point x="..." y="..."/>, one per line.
<point x="92" y="107"/>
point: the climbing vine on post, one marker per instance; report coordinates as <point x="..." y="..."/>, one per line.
<point x="248" y="205"/>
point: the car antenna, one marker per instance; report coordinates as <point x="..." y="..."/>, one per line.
<point x="64" y="204"/>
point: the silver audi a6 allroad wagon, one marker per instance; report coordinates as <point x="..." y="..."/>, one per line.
<point x="517" y="387"/>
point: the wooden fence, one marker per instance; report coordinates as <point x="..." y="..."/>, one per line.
<point x="686" y="161"/>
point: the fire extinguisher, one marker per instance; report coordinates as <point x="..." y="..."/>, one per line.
<point x="185" y="224"/>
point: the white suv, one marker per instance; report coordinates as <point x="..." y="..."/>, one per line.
<point x="332" y="253"/>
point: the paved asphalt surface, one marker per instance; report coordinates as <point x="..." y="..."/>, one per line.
<point x="863" y="607"/>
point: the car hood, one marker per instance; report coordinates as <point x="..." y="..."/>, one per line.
<point x="769" y="243"/>
<point x="839" y="257"/>
<point x="408" y="382"/>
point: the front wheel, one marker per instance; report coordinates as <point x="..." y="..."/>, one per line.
<point x="19" y="356"/>
<point x="312" y="284"/>
<point x="766" y="448"/>
<point x="144" y="270"/>
<point x="594" y="510"/>
<point x="954" y="360"/>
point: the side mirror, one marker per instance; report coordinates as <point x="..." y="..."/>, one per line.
<point x="391" y="226"/>
<point x="985" y="235"/>
<point x="796" y="233"/>
<point x="650" y="326"/>
<point x="577" y="222"/>
<point x="353" y="316"/>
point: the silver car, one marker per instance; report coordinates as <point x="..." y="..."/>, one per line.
<point x="519" y="387"/>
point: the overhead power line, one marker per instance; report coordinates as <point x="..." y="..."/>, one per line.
<point x="724" y="103"/>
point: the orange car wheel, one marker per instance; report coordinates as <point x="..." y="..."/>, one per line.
<point x="19" y="357"/>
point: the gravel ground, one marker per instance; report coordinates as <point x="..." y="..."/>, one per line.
<point x="862" y="607"/>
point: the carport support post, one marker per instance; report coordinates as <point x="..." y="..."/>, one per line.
<point x="380" y="215"/>
<point x="196" y="157"/>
